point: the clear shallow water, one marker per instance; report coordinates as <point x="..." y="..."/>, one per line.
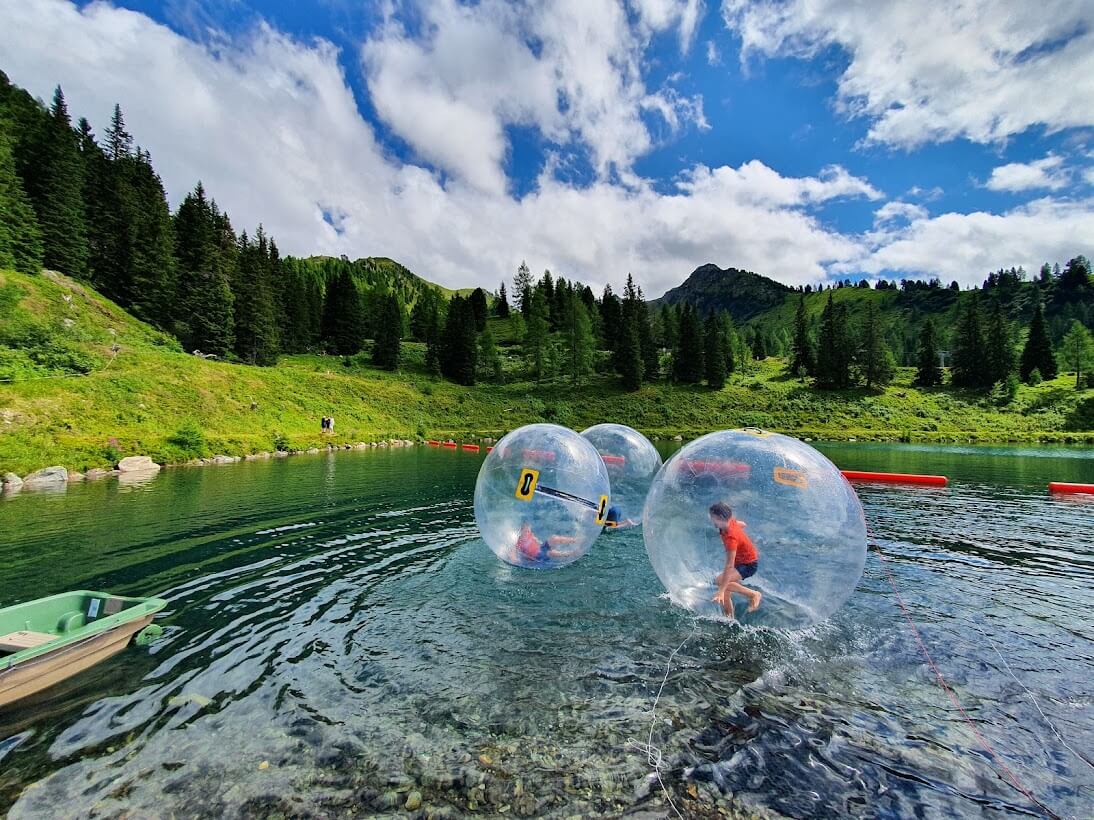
<point x="339" y="637"/>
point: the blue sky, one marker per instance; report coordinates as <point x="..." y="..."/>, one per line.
<point x="804" y="140"/>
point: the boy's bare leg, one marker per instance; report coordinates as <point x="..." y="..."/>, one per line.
<point x="754" y="595"/>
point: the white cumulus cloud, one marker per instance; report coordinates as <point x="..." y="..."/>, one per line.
<point x="1047" y="172"/>
<point x="935" y="70"/>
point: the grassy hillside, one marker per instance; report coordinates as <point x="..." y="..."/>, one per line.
<point x="68" y="397"/>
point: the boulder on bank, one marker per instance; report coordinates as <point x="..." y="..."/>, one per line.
<point x="12" y="483"/>
<point x="47" y="478"/>
<point x="137" y="464"/>
<point x="96" y="473"/>
<point x="223" y="459"/>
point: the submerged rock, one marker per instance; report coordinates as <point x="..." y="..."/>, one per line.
<point x="137" y="464"/>
<point x="413" y="801"/>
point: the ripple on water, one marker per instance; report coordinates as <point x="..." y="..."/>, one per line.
<point x="341" y="647"/>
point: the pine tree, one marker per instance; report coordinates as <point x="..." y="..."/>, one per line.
<point x="729" y="338"/>
<point x="578" y="333"/>
<point x="119" y="142"/>
<point x="489" y="359"/>
<point x="928" y="372"/>
<point x="714" y="355"/>
<point x="647" y="341"/>
<point x="875" y="359"/>
<point x="759" y="345"/>
<point x="1077" y="351"/>
<point x="20" y="239"/>
<point x="546" y="286"/>
<point x="60" y="204"/>
<point x="478" y="308"/>
<point x="967" y="369"/>
<point x="999" y="361"/>
<point x="343" y="315"/>
<point x="628" y="354"/>
<point x="803" y="360"/>
<point x="501" y="305"/>
<point x="687" y="360"/>
<point x="536" y="334"/>
<point x="389" y="333"/>
<point x="1037" y="354"/>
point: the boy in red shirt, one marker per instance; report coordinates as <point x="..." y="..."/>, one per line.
<point x="742" y="560"/>
<point x="529" y="549"/>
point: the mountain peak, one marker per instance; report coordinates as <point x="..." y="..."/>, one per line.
<point x="743" y="294"/>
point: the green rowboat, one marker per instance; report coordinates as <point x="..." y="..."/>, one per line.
<point x="45" y="641"/>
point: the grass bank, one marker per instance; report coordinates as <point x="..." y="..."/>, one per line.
<point x="89" y="384"/>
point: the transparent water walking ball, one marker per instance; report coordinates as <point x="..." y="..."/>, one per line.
<point x="632" y="462"/>
<point x="541" y="497"/>
<point x="800" y="515"/>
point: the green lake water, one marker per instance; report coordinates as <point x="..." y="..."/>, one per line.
<point x="338" y="641"/>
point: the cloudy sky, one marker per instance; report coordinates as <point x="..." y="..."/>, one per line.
<point x="803" y="139"/>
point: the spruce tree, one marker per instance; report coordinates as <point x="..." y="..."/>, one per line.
<point x="202" y="312"/>
<point x="256" y="340"/>
<point x="729" y="338"/>
<point x="827" y="366"/>
<point x="647" y="340"/>
<point x="1074" y="283"/>
<point x="60" y="204"/>
<point x="459" y="353"/>
<point x="151" y="282"/>
<point x="478" y="308"/>
<point x="875" y="359"/>
<point x="714" y="355"/>
<point x="687" y="360"/>
<point x="1037" y="353"/>
<point x="501" y="306"/>
<point x="759" y="345"/>
<point x="928" y="371"/>
<point x="489" y="359"/>
<point x="20" y="240"/>
<point x="389" y="333"/>
<point x="536" y="334"/>
<point x="628" y="354"/>
<point x="578" y="332"/>
<point x="611" y="317"/>
<point x="343" y="315"/>
<point x="803" y="359"/>
<point x="999" y="361"/>
<point x="968" y="362"/>
<point x="522" y="286"/>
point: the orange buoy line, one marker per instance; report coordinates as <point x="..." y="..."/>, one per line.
<point x="1067" y="487"/>
<point x="450" y="444"/>
<point x="472" y="447"/>
<point x="433" y="443"/>
<point x="896" y="478"/>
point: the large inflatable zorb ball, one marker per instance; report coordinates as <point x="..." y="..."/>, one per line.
<point x="541" y="497"/>
<point x="795" y="509"/>
<point x="632" y="462"/>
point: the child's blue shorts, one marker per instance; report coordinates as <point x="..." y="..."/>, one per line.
<point x="747" y="570"/>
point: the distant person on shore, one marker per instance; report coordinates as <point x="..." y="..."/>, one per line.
<point x="530" y="550"/>
<point x="330" y="424"/>
<point x="742" y="560"/>
<point x="613" y="520"/>
<point x="323" y="424"/>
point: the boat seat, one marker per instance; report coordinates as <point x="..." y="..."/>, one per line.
<point x="18" y="641"/>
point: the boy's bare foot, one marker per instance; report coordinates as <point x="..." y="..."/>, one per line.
<point x="755" y="602"/>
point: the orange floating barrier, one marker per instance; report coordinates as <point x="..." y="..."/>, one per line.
<point x="474" y="448"/>
<point x="896" y="478"/>
<point x="538" y="455"/>
<point x="489" y="449"/>
<point x="450" y="444"/>
<point x="1068" y="487"/>
<point x="433" y="443"/>
<point x="614" y="459"/>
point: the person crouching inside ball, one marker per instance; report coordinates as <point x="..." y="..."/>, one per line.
<point x="530" y="550"/>
<point x="742" y="560"/>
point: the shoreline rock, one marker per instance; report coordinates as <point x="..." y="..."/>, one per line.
<point x="45" y="479"/>
<point x="12" y="483"/>
<point x="137" y="464"/>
